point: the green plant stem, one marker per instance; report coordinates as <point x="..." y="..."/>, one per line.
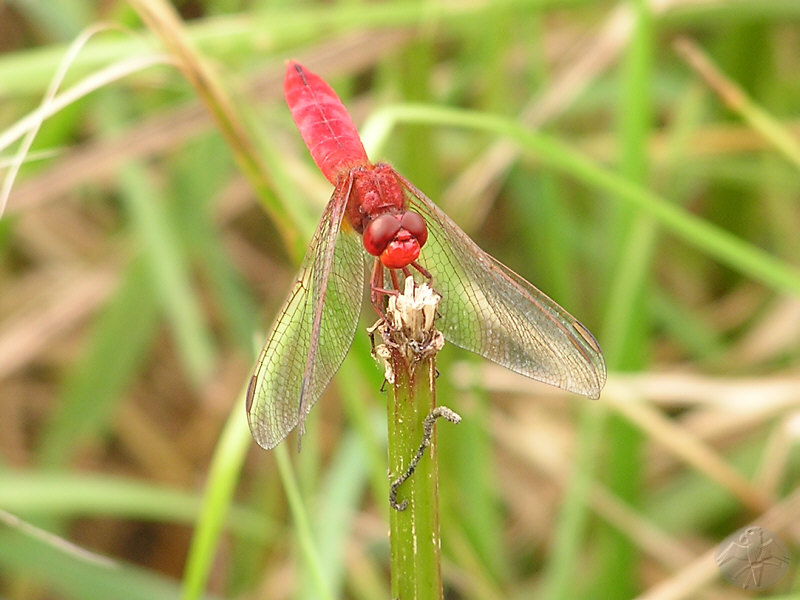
<point x="409" y="352"/>
<point x="415" y="544"/>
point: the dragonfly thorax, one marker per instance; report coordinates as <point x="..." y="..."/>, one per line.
<point x="374" y="191"/>
<point x="396" y="238"/>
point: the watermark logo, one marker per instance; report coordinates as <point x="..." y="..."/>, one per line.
<point x="752" y="558"/>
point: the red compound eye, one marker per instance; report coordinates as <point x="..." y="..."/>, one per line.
<point x="415" y="225"/>
<point x="379" y="233"/>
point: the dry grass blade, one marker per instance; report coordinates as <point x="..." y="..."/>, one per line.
<point x="515" y="438"/>
<point x="758" y="397"/>
<point x="98" y="160"/>
<point x="586" y="61"/>
<point x="590" y="58"/>
<point x="138" y="213"/>
<point x="52" y="103"/>
<point x="164" y="21"/>
<point x="738" y="101"/>
<point x="55" y="541"/>
<point x="688" y="582"/>
<point x="683" y="445"/>
<point x="75" y="296"/>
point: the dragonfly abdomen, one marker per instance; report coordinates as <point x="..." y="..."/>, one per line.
<point x="323" y="122"/>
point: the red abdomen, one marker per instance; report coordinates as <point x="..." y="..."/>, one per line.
<point x="323" y="122"/>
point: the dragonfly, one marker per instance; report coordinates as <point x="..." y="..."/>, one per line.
<point x="376" y="212"/>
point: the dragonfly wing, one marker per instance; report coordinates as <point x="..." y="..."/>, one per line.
<point x="490" y="310"/>
<point x="313" y="331"/>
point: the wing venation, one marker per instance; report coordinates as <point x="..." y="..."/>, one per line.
<point x="490" y="310"/>
<point x="313" y="331"/>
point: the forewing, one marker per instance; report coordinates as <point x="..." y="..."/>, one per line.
<point x="313" y="331"/>
<point x="490" y="310"/>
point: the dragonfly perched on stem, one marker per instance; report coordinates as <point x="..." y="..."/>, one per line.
<point x="485" y="307"/>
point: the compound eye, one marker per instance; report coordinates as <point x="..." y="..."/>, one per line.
<point x="415" y="225"/>
<point x="379" y="233"/>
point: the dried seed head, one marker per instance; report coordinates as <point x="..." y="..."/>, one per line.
<point x="408" y="328"/>
<point x="414" y="311"/>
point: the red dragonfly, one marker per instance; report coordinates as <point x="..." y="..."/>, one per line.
<point x="485" y="307"/>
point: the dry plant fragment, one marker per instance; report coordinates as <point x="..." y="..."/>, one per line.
<point x="427" y="438"/>
<point x="408" y="328"/>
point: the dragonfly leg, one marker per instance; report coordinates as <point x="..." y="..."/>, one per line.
<point x="424" y="272"/>
<point x="377" y="290"/>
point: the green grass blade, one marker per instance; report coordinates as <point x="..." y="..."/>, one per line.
<point x="63" y="20"/>
<point x="200" y="175"/>
<point x="710" y="239"/>
<point x="168" y="269"/>
<point x="573" y="516"/>
<point x="336" y="510"/>
<point x="70" y="576"/>
<point x="308" y="543"/>
<point x="627" y="322"/>
<point x="115" y="353"/>
<point x="223" y="476"/>
<point x="53" y="494"/>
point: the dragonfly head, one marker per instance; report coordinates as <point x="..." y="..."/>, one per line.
<point x="396" y="238"/>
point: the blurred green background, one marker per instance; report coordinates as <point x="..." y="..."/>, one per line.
<point x="637" y="161"/>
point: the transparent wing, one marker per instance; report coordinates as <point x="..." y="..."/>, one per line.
<point x="313" y="331"/>
<point x="490" y="310"/>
